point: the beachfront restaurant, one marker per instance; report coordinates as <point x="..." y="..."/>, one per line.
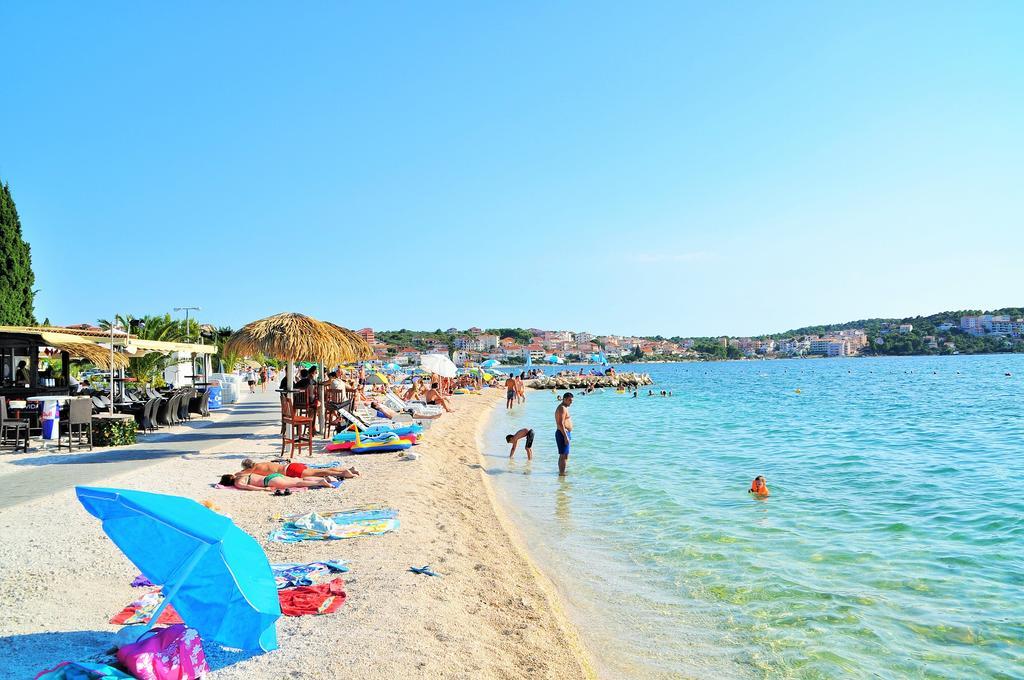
<point x="35" y="368"/>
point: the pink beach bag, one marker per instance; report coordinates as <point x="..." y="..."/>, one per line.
<point x="172" y="653"/>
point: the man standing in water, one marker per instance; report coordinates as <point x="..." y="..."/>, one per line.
<point x="510" y="391"/>
<point x="563" y="433"/>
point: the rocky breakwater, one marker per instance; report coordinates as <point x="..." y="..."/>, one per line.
<point x="576" y="382"/>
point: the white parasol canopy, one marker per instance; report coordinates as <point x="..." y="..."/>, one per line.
<point x="440" y="364"/>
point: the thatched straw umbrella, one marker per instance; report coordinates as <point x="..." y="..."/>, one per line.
<point x="360" y="350"/>
<point x="292" y="337"/>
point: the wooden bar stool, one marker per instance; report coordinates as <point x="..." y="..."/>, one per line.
<point x="296" y="430"/>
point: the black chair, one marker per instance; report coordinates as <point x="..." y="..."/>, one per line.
<point x="204" y="403"/>
<point x="144" y="414"/>
<point x="172" y="408"/>
<point x="79" y="418"/>
<point x="186" y="399"/>
<point x="149" y="415"/>
<point x="163" y="411"/>
<point x="20" y="427"/>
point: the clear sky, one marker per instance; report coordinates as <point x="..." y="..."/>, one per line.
<point x="674" y="168"/>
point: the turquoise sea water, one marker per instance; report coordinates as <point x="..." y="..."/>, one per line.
<point x="892" y="544"/>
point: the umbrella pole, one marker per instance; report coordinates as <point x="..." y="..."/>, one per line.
<point x="289" y="378"/>
<point x="184" y="571"/>
<point x="321" y="406"/>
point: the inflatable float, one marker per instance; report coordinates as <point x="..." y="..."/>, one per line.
<point x="375" y="439"/>
<point x="376" y="430"/>
<point x="372" y="445"/>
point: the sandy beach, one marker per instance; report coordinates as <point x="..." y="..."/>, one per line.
<point x="490" y="615"/>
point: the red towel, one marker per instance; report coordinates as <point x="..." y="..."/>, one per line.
<point x="325" y="598"/>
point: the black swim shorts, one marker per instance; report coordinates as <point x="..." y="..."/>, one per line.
<point x="529" y="439"/>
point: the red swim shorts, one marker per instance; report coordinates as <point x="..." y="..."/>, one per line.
<point x="295" y="470"/>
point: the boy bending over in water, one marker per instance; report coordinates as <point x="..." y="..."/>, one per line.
<point x="513" y="439"/>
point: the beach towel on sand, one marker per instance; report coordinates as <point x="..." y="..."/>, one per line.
<point x="299" y="574"/>
<point x="82" y="670"/>
<point x="325" y="598"/>
<point x="286" y="575"/>
<point x="314" y="527"/>
<point x="141" y="611"/>
<point x="345" y="515"/>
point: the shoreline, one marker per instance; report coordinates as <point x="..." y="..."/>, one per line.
<point x="491" y="615"/>
<point x="555" y="599"/>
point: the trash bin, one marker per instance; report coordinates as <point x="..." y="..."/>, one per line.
<point x="215" y="400"/>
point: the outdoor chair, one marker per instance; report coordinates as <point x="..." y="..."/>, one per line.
<point x="78" y="421"/>
<point x="195" y="402"/>
<point x="98" y="404"/>
<point x="148" y="421"/>
<point x="334" y="399"/>
<point x="204" y="403"/>
<point x="183" y="410"/>
<point x="19" y="426"/>
<point x="172" y="408"/>
<point x="415" y="410"/>
<point x="296" y="430"/>
<point x="163" y="411"/>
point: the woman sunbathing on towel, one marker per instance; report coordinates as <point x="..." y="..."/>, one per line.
<point x="296" y="470"/>
<point x="250" y="481"/>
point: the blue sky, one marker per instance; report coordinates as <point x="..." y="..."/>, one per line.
<point x="674" y="168"/>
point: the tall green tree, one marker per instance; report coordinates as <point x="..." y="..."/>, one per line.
<point x="16" y="277"/>
<point x="147" y="368"/>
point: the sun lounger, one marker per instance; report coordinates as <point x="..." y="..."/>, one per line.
<point x="413" y="409"/>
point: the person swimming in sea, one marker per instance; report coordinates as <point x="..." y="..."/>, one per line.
<point x="759" y="487"/>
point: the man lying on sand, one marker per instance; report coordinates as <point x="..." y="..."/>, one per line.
<point x="295" y="470"/>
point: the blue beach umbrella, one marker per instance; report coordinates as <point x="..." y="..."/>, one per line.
<point x="392" y="367"/>
<point x="490" y="363"/>
<point x="216" y="575"/>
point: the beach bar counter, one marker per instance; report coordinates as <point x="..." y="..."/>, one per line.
<point x="20" y="377"/>
<point x="35" y="362"/>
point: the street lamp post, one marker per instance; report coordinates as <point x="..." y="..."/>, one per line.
<point x="188" y="338"/>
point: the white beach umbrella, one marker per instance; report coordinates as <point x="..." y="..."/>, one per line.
<point x="440" y="364"/>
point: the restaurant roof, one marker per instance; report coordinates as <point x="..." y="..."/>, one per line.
<point x="51" y="335"/>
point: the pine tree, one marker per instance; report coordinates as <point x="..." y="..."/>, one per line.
<point x="16" y="277"/>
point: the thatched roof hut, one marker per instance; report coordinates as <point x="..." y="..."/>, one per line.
<point x="293" y="337"/>
<point x="361" y="350"/>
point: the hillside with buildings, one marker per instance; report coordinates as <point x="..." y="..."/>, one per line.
<point x="958" y="332"/>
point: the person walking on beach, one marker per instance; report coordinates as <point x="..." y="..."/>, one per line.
<point x="521" y="388"/>
<point x="264" y="377"/>
<point x="513" y="439"/>
<point x="563" y="433"/>
<point x="510" y="391"/>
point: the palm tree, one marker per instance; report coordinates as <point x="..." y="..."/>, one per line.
<point x="147" y="367"/>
